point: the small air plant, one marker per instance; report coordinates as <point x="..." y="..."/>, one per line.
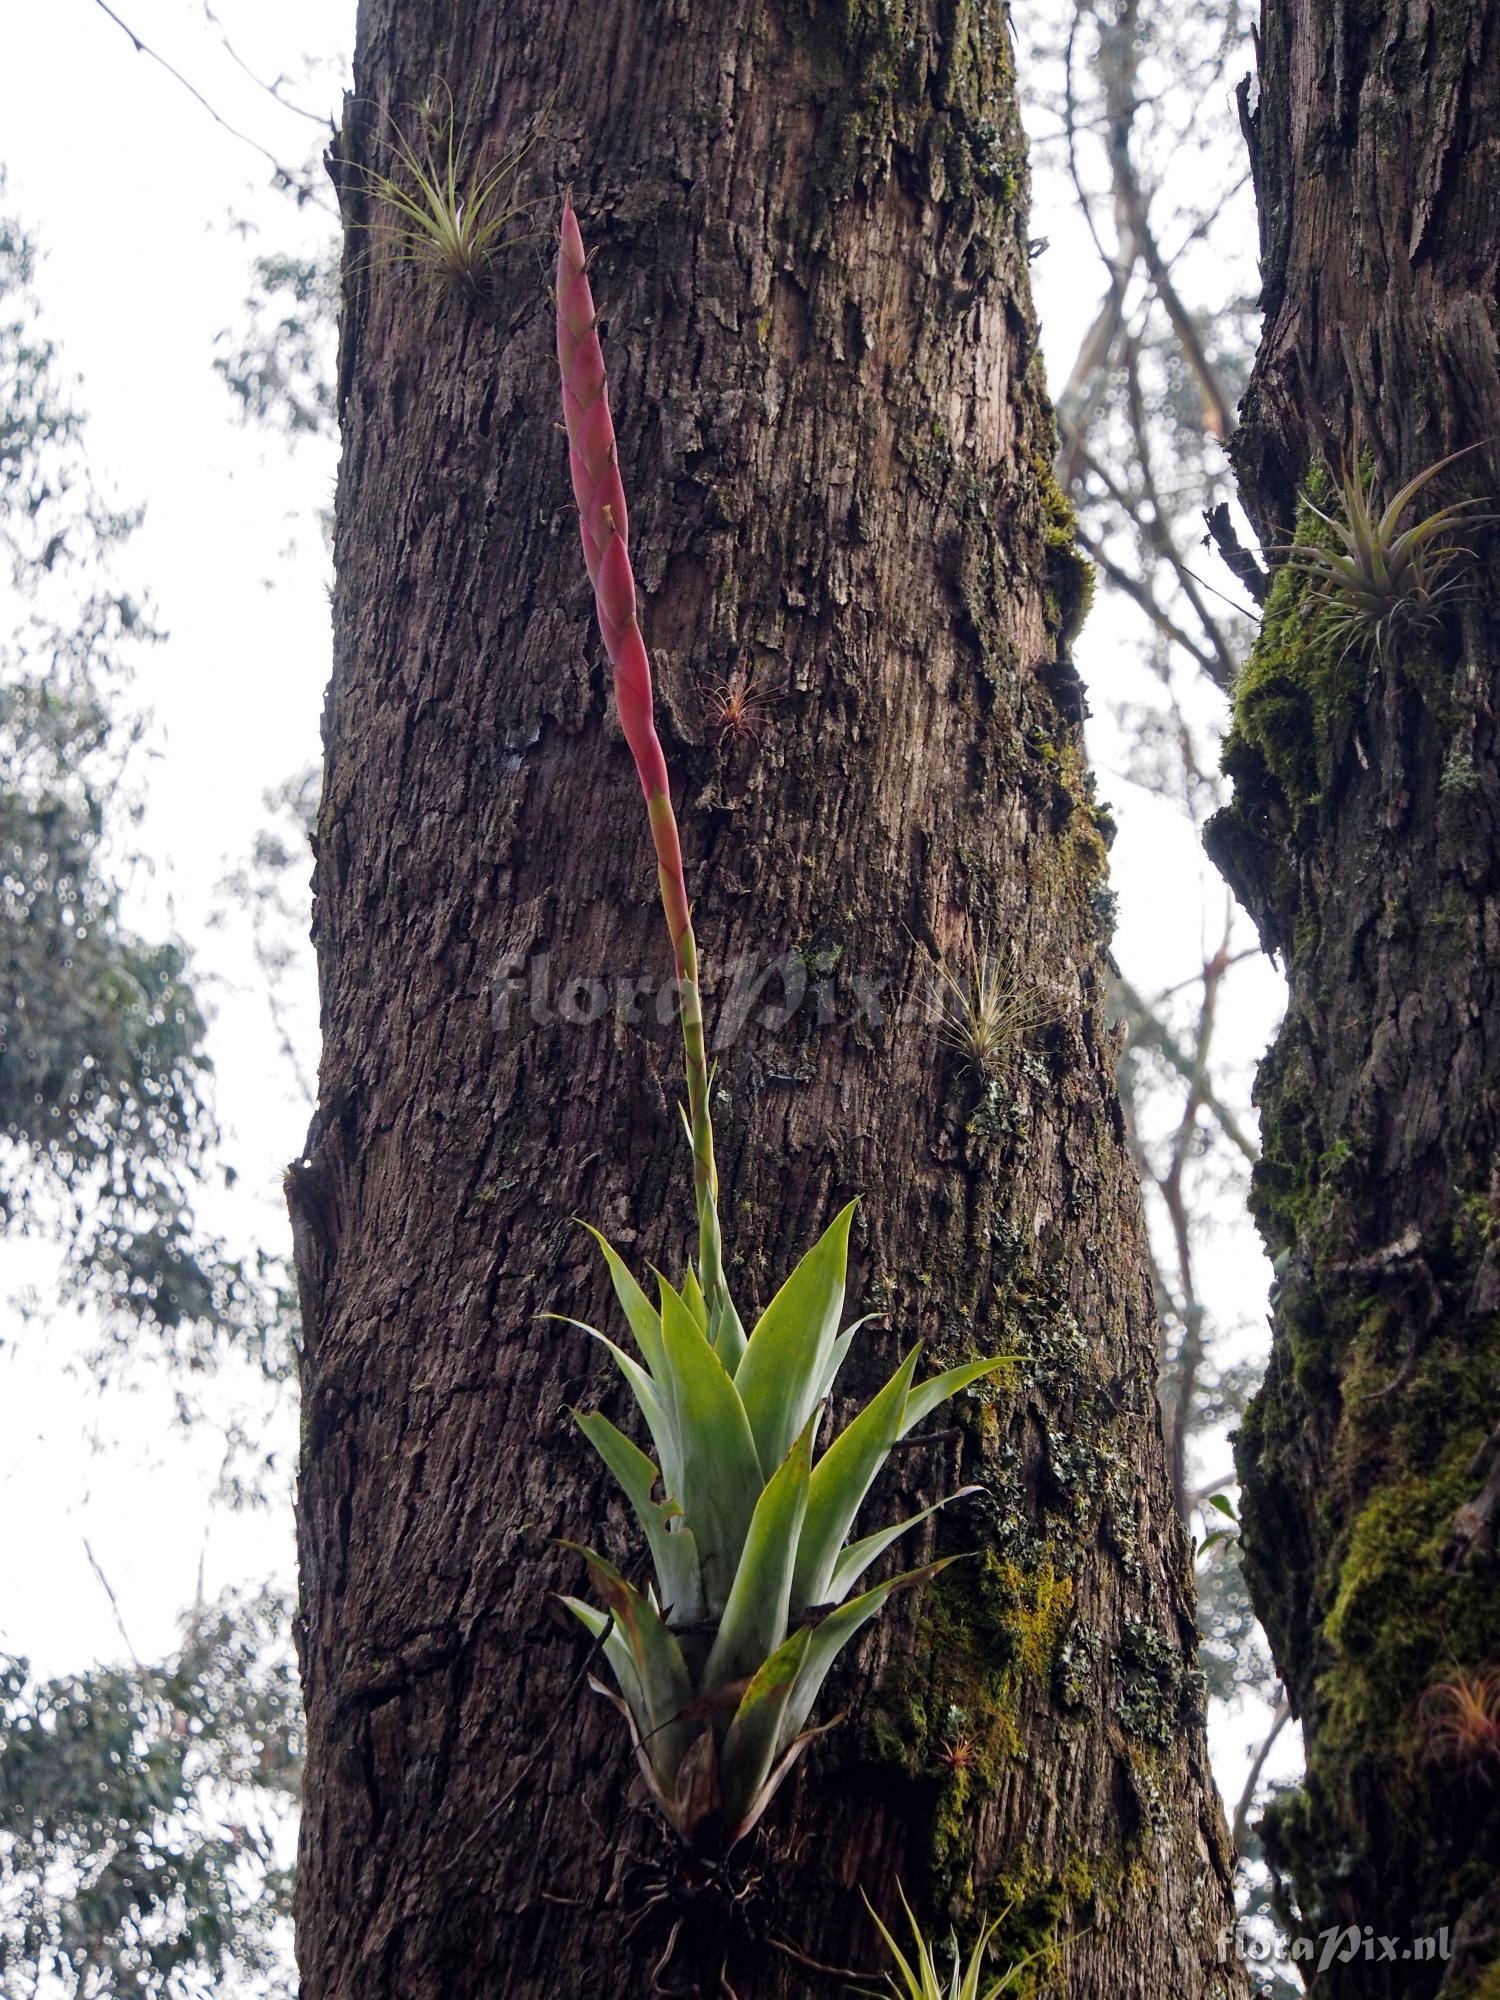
<point x="1378" y="578"/>
<point x="438" y="214"/>
<point x="740" y="707"/>
<point x="719" y="1661"/>
<point x="957" y="1754"/>
<point x="982" y="1013"/>
<point x="1461" y="1717"/>
<point x="923" y="1981"/>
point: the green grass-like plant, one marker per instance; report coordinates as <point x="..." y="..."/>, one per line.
<point x="1376" y="577"/>
<point x="965" y="1980"/>
<point x="718" y="1661"/>
<point x="982" y="1013"/>
<point x="436" y="212"/>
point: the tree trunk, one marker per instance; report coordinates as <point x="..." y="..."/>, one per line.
<point x="811" y="261"/>
<point x="1363" y="838"/>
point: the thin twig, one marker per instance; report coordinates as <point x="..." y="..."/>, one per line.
<point x="1152" y="1032"/>
<point x="1163" y="541"/>
<point x="1279" y="1721"/>
<point x="114" y="1605"/>
<point x="284" y="176"/>
<point x="1189" y="1359"/>
<point x="272" y="90"/>
<point x="1141" y="594"/>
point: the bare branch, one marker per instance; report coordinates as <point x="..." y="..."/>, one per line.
<point x="1159" y="527"/>
<point x="1150" y="1031"/>
<point x="1279" y="1722"/>
<point x="274" y="89"/>
<point x="299" y="184"/>
<point x="1140" y="593"/>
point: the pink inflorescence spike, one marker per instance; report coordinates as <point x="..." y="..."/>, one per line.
<point x="604" y="524"/>
<point x="605" y="530"/>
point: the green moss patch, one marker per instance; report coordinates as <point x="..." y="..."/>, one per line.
<point x="1300" y="684"/>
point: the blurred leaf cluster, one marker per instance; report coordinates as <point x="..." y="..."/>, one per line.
<point x="143" y="1810"/>
<point x="145" y="1816"/>
<point x="278" y="365"/>
<point x="106" y="1127"/>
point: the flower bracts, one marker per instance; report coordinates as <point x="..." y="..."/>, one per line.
<point x="605" y="530"/>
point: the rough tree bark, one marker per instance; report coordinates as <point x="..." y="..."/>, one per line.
<point x="1363" y="838"/>
<point x="810" y="225"/>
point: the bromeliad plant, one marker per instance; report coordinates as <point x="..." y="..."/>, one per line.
<point x="1462" y="1721"/>
<point x="981" y="1010"/>
<point x="718" y="1662"/>
<point x="1378" y="576"/>
<point x="438" y="214"/>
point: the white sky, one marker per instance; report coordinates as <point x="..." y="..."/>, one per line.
<point x="130" y="197"/>
<point x="129" y="186"/>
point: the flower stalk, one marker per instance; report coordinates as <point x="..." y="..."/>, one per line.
<point x="605" y="531"/>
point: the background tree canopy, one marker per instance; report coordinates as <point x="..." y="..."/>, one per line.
<point x="142" y="1808"/>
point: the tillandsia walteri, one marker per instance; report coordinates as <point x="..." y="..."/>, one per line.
<point x="1378" y="576"/>
<point x="719" y="1661"/>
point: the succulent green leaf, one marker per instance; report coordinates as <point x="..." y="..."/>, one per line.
<point x="673" y="1550"/>
<point x="1421" y="532"/>
<point x="926" y="1397"/>
<point x="858" y="1557"/>
<point x="693" y="1299"/>
<point x="645" y="1322"/>
<point x="1360" y="536"/>
<point x="913" y="1986"/>
<point x="1402" y="500"/>
<point x="658" y="1782"/>
<point x="726" y="1333"/>
<point x="661" y="1420"/>
<point x="616" y="1648"/>
<point x="840" y="1353"/>
<point x="833" y="1633"/>
<point x="841" y="1479"/>
<point x="754" y="1621"/>
<point x="1328" y="520"/>
<point x="923" y="1981"/>
<point x="721" y="1322"/>
<point x="667" y="1290"/>
<point x="1342" y="569"/>
<point x="749" y="1748"/>
<point x="781" y="1375"/>
<point x="721" y="1478"/>
<point x="665" y="1688"/>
